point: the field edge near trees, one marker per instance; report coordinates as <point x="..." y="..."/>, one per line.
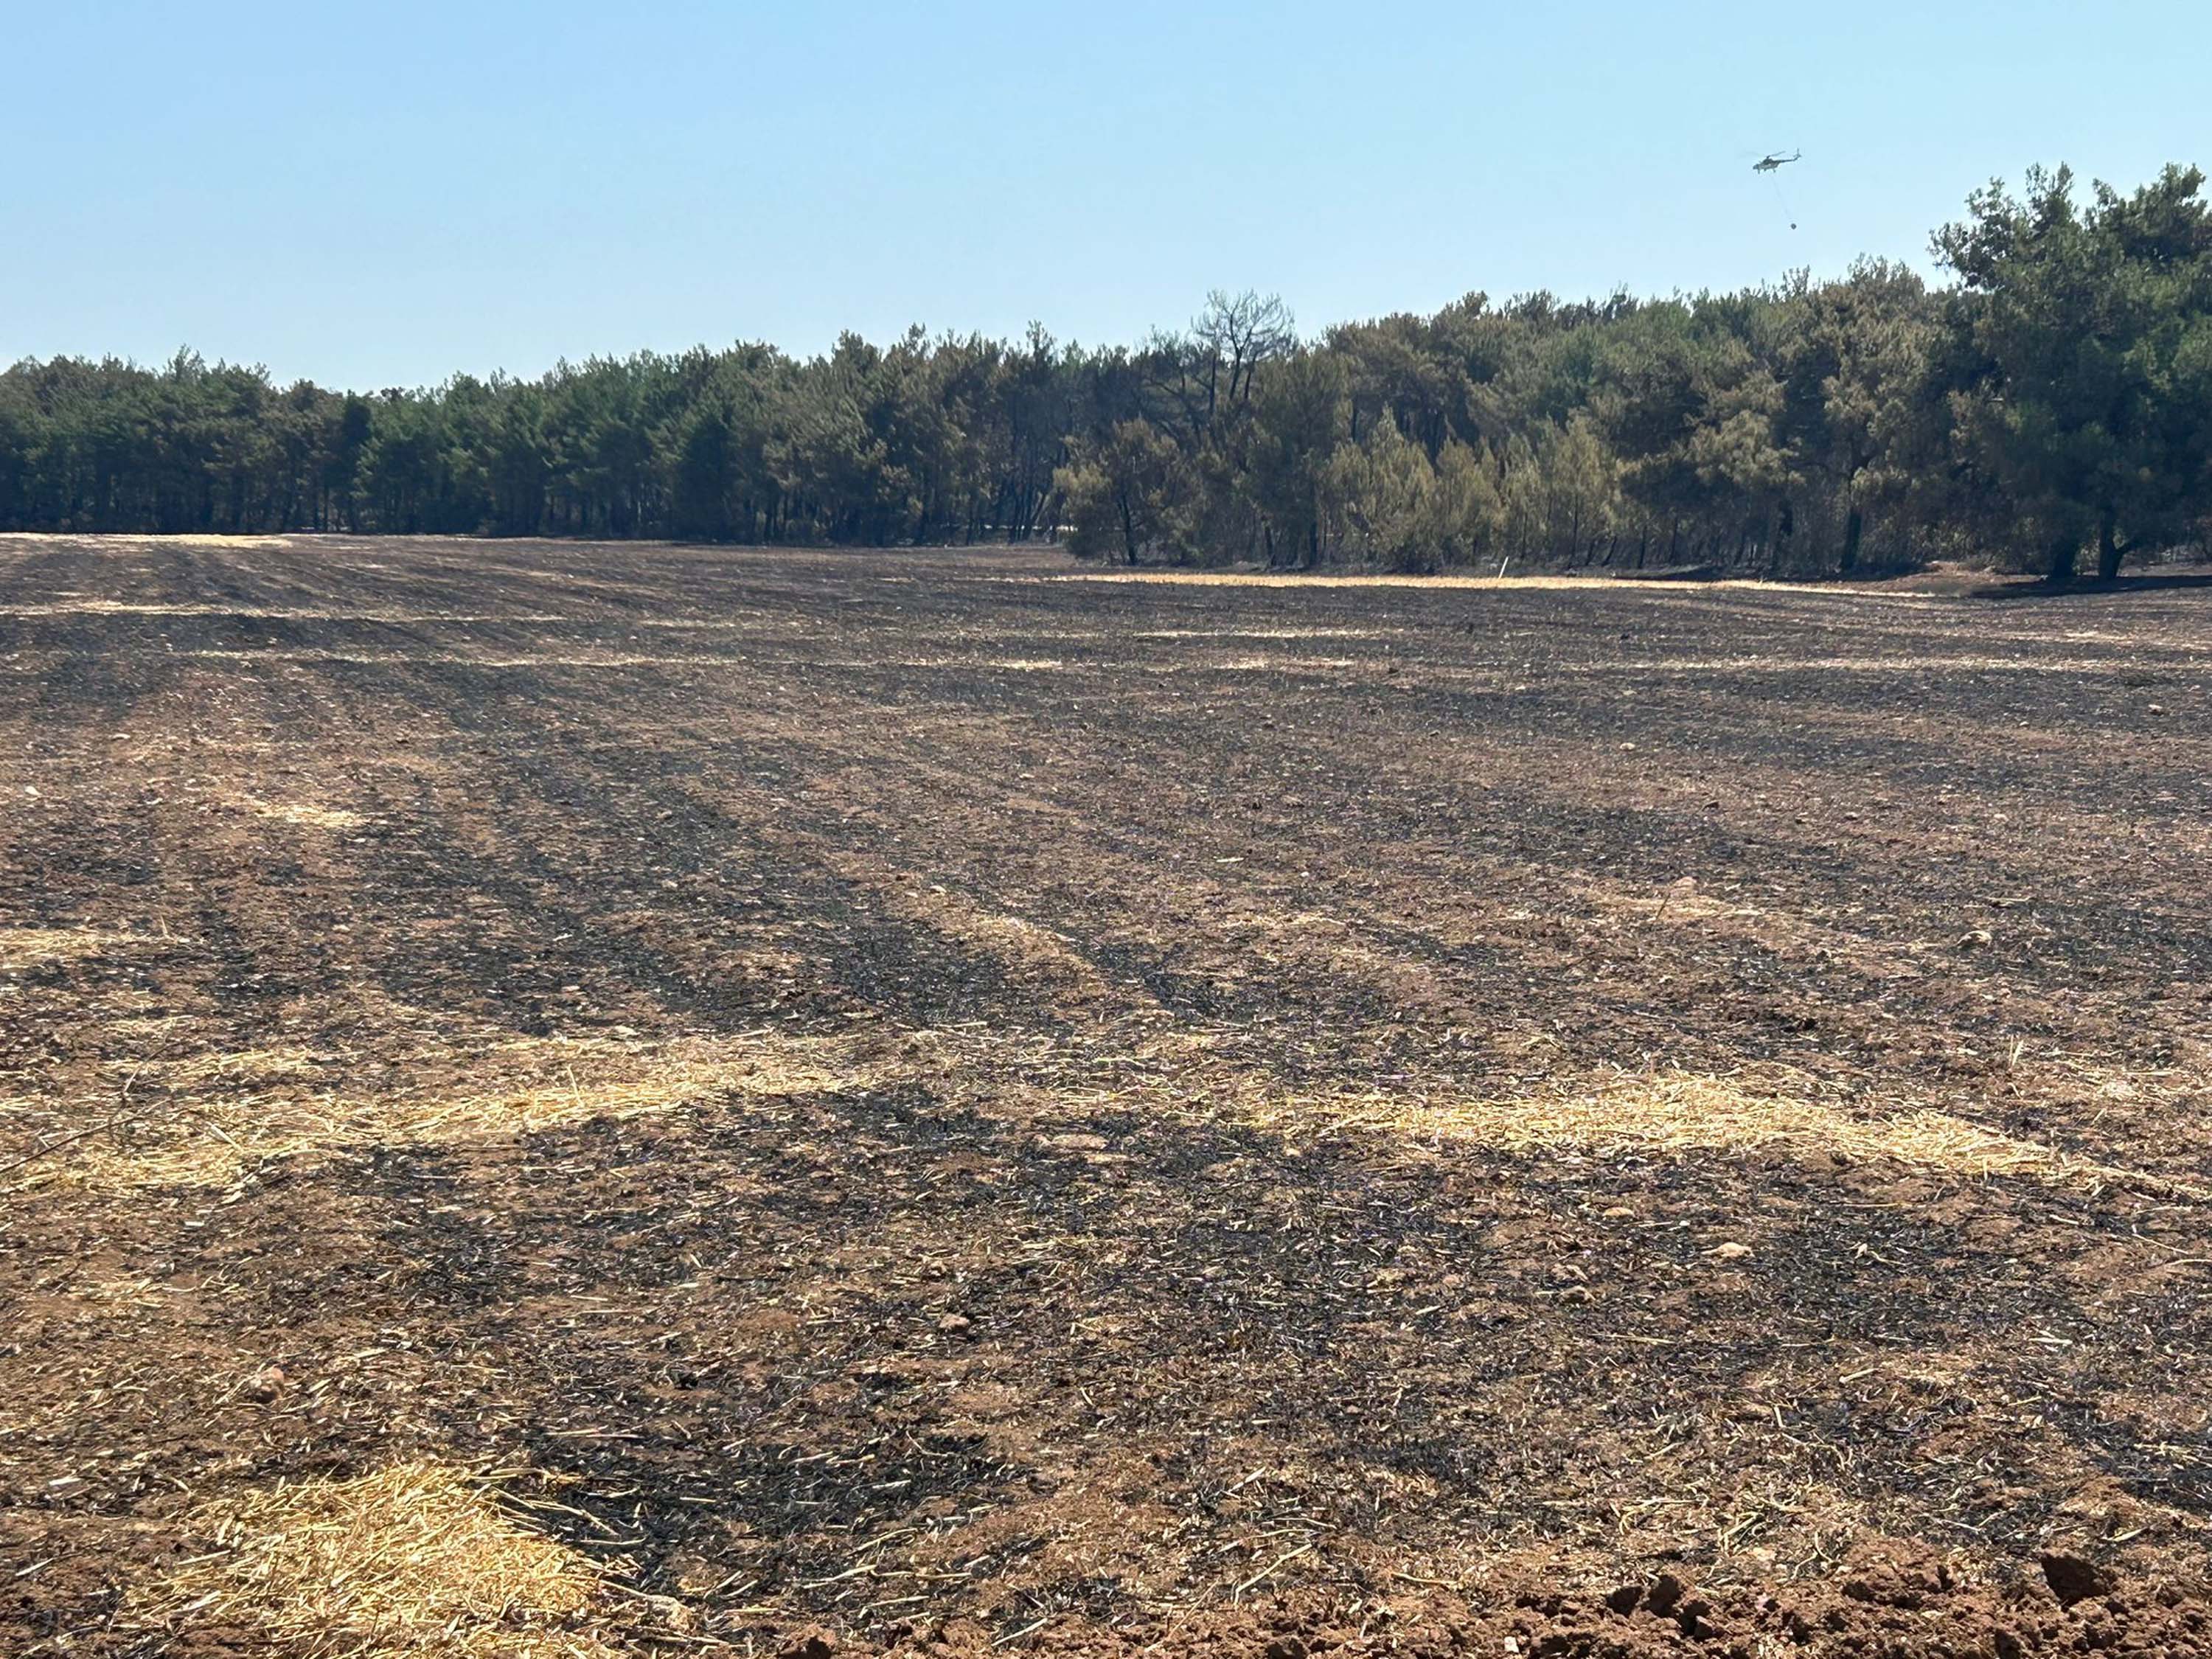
<point x="2046" y="410"/>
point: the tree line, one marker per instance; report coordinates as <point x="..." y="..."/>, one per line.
<point x="2053" y="402"/>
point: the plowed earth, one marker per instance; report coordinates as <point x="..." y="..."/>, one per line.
<point x="930" y="1102"/>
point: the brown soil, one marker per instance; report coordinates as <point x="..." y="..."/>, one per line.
<point x="576" y="1099"/>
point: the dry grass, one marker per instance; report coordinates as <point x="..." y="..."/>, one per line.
<point x="1261" y="634"/>
<point x="222" y="1065"/>
<point x="1945" y="662"/>
<point x="231" y="1113"/>
<point x="297" y="613"/>
<point x="1259" y="663"/>
<point x="516" y="1088"/>
<point x="419" y="1559"/>
<point x="1180" y="1074"/>
<point x="304" y="812"/>
<point x="1673" y="1112"/>
<point x="131" y="541"/>
<point x="29" y="947"/>
<point x="1288" y="579"/>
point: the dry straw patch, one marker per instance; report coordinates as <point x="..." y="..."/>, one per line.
<point x="419" y="1559"/>
<point x="515" y="1089"/>
<point x="1267" y="633"/>
<point x="248" y="1066"/>
<point x="31" y="947"/>
<point x="1678" y="1112"/>
<point x="303" y="812"/>
<point x="1259" y="663"/>
<point x="1429" y="584"/>
<point x="194" y="540"/>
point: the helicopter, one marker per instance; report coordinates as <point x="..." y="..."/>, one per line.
<point x="1775" y="162"/>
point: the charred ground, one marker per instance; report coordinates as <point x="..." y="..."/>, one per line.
<point x="944" y="1101"/>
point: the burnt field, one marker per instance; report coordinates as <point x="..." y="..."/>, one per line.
<point x="575" y="1099"/>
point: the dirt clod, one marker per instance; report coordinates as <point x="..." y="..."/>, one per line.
<point x="2073" y="1579"/>
<point x="263" y="1386"/>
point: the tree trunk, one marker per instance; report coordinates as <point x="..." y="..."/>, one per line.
<point x="1854" y="528"/>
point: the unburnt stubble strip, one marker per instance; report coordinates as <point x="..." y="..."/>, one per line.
<point x="420" y="1558"/>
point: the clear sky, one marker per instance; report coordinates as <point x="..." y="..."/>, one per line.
<point x="380" y="195"/>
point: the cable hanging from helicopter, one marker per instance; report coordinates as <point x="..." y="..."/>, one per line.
<point x="1772" y="163"/>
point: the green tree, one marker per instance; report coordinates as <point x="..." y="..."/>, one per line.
<point x="1129" y="494"/>
<point x="2087" y="332"/>
<point x="1381" y="492"/>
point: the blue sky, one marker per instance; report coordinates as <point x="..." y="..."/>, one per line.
<point x="376" y="196"/>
